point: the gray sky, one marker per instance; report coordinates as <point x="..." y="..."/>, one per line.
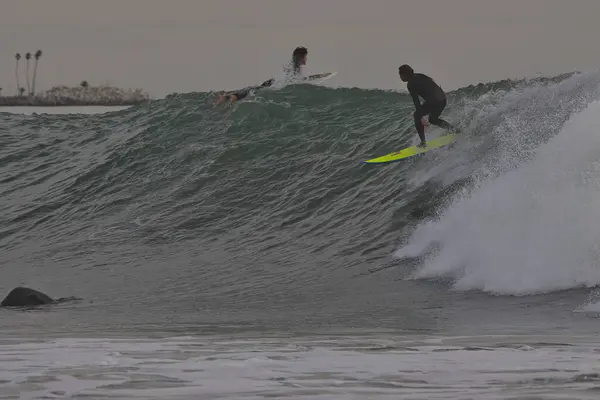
<point x="165" y="46"/>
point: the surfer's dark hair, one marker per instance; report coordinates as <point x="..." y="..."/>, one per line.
<point x="405" y="69"/>
<point x="298" y="53"/>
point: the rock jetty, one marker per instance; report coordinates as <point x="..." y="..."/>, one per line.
<point x="82" y="95"/>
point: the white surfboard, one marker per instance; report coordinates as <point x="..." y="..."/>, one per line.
<point x="320" y="78"/>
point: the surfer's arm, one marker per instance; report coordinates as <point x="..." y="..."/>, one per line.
<point x="415" y="97"/>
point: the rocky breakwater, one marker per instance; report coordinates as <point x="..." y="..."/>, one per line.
<point x="82" y="95"/>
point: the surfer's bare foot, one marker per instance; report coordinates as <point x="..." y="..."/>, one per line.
<point x="422" y="144"/>
<point x="221" y="99"/>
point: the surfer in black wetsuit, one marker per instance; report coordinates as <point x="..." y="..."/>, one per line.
<point x="292" y="70"/>
<point x="434" y="104"/>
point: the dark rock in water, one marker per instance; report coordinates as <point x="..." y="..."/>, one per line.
<point x="22" y="296"/>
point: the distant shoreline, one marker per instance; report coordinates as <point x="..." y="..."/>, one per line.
<point x="15" y="101"/>
<point x="62" y="96"/>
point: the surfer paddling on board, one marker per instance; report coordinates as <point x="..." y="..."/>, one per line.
<point x="435" y="100"/>
<point x="292" y="70"/>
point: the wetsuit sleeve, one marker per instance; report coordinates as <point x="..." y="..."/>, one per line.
<point x="415" y="96"/>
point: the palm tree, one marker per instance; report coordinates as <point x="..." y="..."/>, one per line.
<point x="18" y="57"/>
<point x="28" y="57"/>
<point x="37" y="56"/>
<point x="22" y="90"/>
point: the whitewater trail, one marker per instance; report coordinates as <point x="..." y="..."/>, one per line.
<point x="531" y="230"/>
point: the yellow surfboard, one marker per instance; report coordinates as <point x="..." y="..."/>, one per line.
<point x="414" y="150"/>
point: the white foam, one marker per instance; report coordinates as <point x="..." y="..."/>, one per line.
<point x="506" y="120"/>
<point x="195" y="368"/>
<point x="533" y="229"/>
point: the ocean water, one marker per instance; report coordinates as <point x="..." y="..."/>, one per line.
<point x="246" y="252"/>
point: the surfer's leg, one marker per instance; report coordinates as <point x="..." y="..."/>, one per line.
<point x="419" y="114"/>
<point x="434" y="116"/>
<point x="242" y="94"/>
<point x="233" y="97"/>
